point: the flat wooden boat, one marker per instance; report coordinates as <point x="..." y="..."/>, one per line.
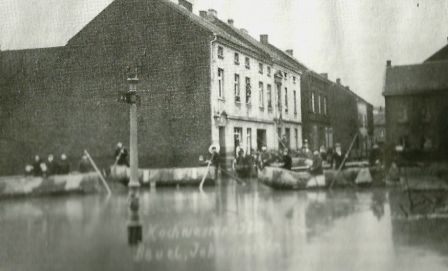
<point x="165" y="176"/>
<point x="13" y="186"/>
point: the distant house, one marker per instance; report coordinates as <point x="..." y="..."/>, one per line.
<point x="417" y="104"/>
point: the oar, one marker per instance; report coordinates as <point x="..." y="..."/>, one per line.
<point x="109" y="192"/>
<point x="206" y="173"/>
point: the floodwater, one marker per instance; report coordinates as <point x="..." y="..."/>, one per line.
<point x="228" y="227"/>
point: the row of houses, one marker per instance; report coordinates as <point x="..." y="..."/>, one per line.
<point x="204" y="80"/>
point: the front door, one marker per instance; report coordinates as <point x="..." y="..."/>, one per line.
<point x="222" y="142"/>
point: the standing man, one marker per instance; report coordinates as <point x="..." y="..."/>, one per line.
<point x="37" y="170"/>
<point x="64" y="165"/>
<point x="121" y="155"/>
<point x="52" y="167"/>
<point x="287" y="160"/>
<point x="215" y="160"/>
<point x="338" y="156"/>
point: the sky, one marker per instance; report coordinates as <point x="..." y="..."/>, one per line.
<point x="348" y="39"/>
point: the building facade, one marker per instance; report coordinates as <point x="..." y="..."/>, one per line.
<point x="317" y="127"/>
<point x="416" y="99"/>
<point x="203" y="82"/>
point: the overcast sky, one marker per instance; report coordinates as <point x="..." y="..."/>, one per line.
<point x="348" y="39"/>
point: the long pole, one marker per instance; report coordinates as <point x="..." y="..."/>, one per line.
<point x="343" y="161"/>
<point x="133" y="182"/>
<point x="109" y="192"/>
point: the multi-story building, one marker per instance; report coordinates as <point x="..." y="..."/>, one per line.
<point x="204" y="80"/>
<point x="416" y="99"/>
<point x="317" y="128"/>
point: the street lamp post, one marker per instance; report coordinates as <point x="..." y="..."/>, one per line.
<point x="134" y="225"/>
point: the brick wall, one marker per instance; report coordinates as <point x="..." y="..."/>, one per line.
<point x="70" y="104"/>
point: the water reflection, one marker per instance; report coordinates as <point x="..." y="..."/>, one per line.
<point x="229" y="227"/>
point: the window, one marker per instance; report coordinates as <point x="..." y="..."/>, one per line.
<point x="237" y="59"/>
<point x="279" y="98"/>
<point x="247" y="62"/>
<point x="268" y="71"/>
<point x="285" y="75"/>
<point x="249" y="140"/>
<point x="295" y="103"/>
<point x="237" y="88"/>
<point x="269" y="96"/>
<point x="221" y="83"/>
<point x="261" y="95"/>
<point x="312" y="106"/>
<point x="248" y="90"/>
<point x="403" y="114"/>
<point x="325" y="106"/>
<point x="286" y="100"/>
<point x="319" y="107"/>
<point x="220" y="52"/>
<point x="294" y="79"/>
<point x="260" y="68"/>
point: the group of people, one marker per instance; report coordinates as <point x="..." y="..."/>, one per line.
<point x="49" y="166"/>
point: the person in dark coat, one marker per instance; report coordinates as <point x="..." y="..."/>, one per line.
<point x="239" y="164"/>
<point x="287" y="160"/>
<point x="63" y="165"/>
<point x="52" y="166"/>
<point x="37" y="170"/>
<point x="84" y="165"/>
<point x="215" y="160"/>
<point x="337" y="156"/>
<point x="316" y="168"/>
<point x="121" y="155"/>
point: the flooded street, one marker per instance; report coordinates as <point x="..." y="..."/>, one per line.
<point x="229" y="227"/>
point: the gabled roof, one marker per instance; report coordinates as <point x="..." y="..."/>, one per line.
<point x="416" y="79"/>
<point x="276" y="54"/>
<point x="442" y="54"/>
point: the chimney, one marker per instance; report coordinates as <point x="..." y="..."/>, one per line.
<point x="264" y="39"/>
<point x="338" y="81"/>
<point x="388" y="63"/>
<point x="230" y="22"/>
<point x="186" y="4"/>
<point x="290" y="52"/>
<point x="212" y="13"/>
<point x="244" y="30"/>
<point x="203" y="14"/>
<point x="324" y="75"/>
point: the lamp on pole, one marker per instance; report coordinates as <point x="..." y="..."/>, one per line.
<point x="134" y="225"/>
